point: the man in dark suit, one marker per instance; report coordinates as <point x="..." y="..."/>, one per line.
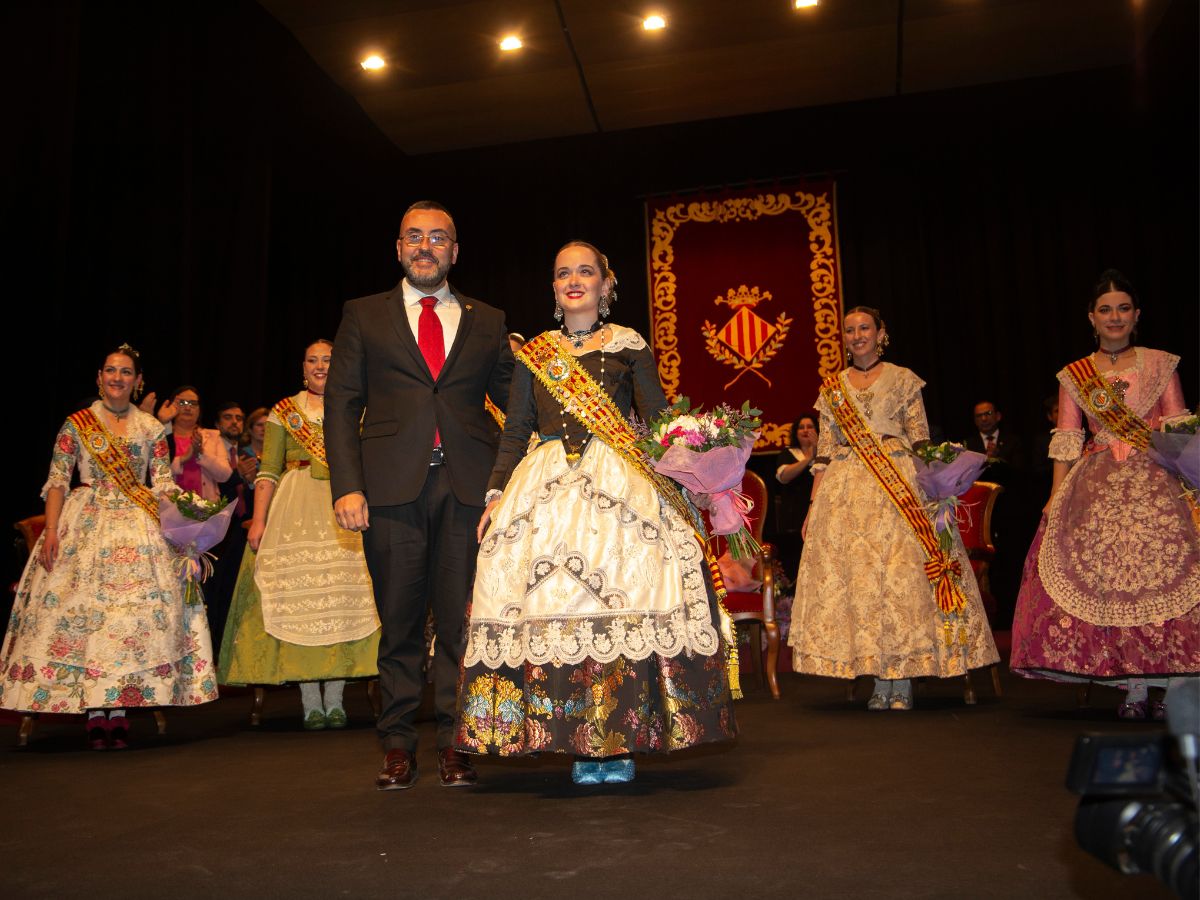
<point x="238" y="489"/>
<point x="410" y="449"/>
<point x="1006" y="466"/>
<point x="1004" y="450"/>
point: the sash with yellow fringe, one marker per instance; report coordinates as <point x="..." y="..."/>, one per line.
<point x="570" y="384"/>
<point x="1107" y="405"/>
<point x="112" y="462"/>
<point x="941" y="568"/>
<point x="493" y="410"/>
<point x="301" y="428"/>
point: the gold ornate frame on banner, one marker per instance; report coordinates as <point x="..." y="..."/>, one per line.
<point x="819" y="210"/>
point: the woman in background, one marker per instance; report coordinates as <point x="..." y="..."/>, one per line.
<point x="198" y="459"/>
<point x="793" y="472"/>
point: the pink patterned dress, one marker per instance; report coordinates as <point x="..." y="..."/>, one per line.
<point x="1111" y="587"/>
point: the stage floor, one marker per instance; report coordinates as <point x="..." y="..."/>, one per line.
<point x="817" y="798"/>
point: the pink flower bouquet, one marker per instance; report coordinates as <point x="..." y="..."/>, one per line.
<point x="706" y="453"/>
<point x="943" y="472"/>
<point x="193" y="526"/>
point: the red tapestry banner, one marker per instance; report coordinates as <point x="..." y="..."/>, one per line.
<point x="745" y="299"/>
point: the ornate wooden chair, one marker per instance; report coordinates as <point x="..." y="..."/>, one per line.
<point x="756" y="608"/>
<point x="975" y="525"/>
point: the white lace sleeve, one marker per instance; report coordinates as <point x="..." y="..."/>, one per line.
<point x="624" y="338"/>
<point x="1065" y="446"/>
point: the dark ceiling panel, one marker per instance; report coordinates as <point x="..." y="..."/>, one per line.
<point x="449" y="86"/>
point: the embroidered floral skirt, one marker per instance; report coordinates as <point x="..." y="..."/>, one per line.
<point x="863" y="605"/>
<point x="1111" y="584"/>
<point x="596" y="709"/>
<point x="594" y="629"/>
<point x="108" y="627"/>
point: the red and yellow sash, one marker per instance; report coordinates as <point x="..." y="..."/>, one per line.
<point x="1107" y="405"/>
<point x="308" y="436"/>
<point x="571" y="385"/>
<point x="112" y="462"/>
<point x="942" y="570"/>
<point x="493" y="410"/>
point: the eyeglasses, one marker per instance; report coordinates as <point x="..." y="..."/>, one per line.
<point x="437" y="239"/>
<point x="186" y="402"/>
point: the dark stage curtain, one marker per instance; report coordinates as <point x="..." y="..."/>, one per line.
<point x="181" y="176"/>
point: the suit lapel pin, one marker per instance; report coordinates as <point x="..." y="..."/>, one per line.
<point x="468" y="307"/>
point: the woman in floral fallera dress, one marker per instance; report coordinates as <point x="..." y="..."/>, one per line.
<point x="594" y="628"/>
<point x="99" y="622"/>
<point x="1111" y="590"/>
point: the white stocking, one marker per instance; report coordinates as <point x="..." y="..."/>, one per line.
<point x="1137" y="690"/>
<point x="333" y="695"/>
<point x="310" y="696"/>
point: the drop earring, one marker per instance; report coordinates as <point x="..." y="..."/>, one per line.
<point x="558" y="311"/>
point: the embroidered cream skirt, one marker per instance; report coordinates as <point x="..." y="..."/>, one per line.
<point x="311" y="573"/>
<point x="863" y="604"/>
<point x="584" y="561"/>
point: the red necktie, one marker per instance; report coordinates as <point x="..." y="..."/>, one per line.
<point x="239" y="508"/>
<point x="433" y="345"/>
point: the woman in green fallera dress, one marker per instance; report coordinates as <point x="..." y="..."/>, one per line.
<point x="303" y="610"/>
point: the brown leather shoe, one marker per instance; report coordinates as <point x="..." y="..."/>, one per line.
<point x="399" y="771"/>
<point x="455" y="768"/>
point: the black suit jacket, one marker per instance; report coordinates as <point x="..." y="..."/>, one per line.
<point x="382" y="405"/>
<point x="1009" y="448"/>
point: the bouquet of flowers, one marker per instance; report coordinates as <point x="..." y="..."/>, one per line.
<point x="706" y="453"/>
<point x="1177" y="449"/>
<point x="944" y="471"/>
<point x="193" y="526"/>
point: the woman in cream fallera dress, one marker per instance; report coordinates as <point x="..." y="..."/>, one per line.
<point x="594" y="628"/>
<point x="864" y="605"/>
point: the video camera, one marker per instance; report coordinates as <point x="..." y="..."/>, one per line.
<point x="1139" y="807"/>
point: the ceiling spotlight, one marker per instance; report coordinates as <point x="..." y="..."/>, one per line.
<point x="512" y="42"/>
<point x="804" y="4"/>
<point x="373" y="62"/>
<point x="654" y="23"/>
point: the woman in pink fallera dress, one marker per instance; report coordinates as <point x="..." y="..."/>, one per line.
<point x="1111" y="588"/>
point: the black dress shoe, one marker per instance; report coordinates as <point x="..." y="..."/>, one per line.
<point x="399" y="771"/>
<point x="455" y="769"/>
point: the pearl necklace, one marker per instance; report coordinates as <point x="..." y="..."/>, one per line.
<point x="562" y="410"/>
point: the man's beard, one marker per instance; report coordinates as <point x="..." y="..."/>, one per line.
<point x="425" y="281"/>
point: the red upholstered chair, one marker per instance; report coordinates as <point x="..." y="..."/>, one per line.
<point x="756" y="609"/>
<point x="975" y="526"/>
